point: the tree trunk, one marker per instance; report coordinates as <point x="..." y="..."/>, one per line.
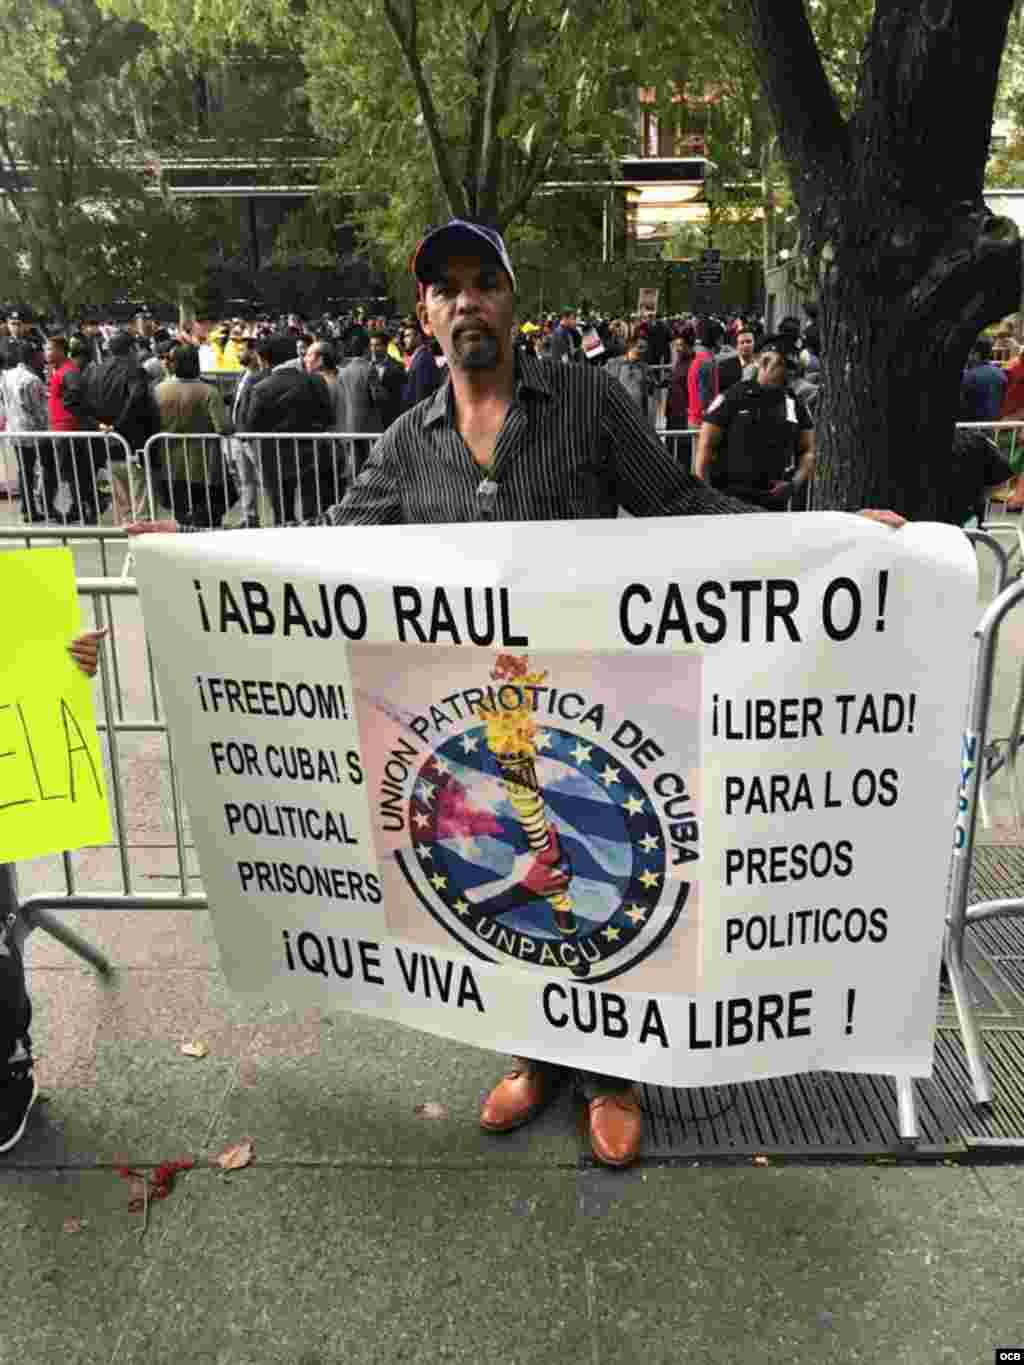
<point x="894" y="343"/>
<point x="910" y="264"/>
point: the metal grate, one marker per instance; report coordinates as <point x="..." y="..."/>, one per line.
<point x="831" y="1114"/>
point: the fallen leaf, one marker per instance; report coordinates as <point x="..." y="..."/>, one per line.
<point x="144" y="1189"/>
<point x="74" y="1224"/>
<point x="137" y="1194"/>
<point x="431" y="1110"/>
<point x="761" y="1161"/>
<point x="236" y="1156"/>
<point x="194" y="1049"/>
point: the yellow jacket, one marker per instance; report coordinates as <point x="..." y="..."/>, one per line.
<point x="227" y="355"/>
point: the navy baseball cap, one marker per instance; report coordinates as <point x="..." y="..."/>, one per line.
<point x="455" y="237"/>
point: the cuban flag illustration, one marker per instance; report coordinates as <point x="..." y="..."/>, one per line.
<point x="473" y="850"/>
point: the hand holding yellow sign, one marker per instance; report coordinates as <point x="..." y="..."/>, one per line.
<point x="52" y="792"/>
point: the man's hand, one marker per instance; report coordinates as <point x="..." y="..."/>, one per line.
<point x="892" y="519"/>
<point x="85" y="651"/>
<point x="146" y="528"/>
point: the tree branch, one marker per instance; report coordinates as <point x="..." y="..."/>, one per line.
<point x="475" y="66"/>
<point x="16" y="187"/>
<point x="813" y="135"/>
<point x="928" y="82"/>
<point x="953" y="287"/>
<point x="536" y="168"/>
<point x="405" y="36"/>
<point x="499" y="39"/>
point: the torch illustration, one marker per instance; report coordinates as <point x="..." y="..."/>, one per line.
<point x="511" y="738"/>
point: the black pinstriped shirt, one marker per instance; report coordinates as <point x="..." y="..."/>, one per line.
<point x="572" y="445"/>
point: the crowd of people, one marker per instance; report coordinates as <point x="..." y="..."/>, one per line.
<point x="351" y="373"/>
<point x="233" y="385"/>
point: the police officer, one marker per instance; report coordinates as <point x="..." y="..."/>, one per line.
<point x="19" y="329"/>
<point x="768" y="451"/>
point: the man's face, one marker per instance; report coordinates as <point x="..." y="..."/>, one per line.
<point x="54" y="355"/>
<point x="745" y="346"/>
<point x="771" y="370"/>
<point x="470" y="310"/>
<point x="312" y="359"/>
<point x="14" y="328"/>
<point x="569" y="321"/>
<point x="378" y="348"/>
<point x="89" y="329"/>
<point x="410" y="339"/>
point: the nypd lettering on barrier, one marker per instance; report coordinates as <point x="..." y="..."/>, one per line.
<point x="967" y="793"/>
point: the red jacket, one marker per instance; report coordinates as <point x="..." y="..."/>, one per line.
<point x="64" y="397"/>
<point x="1013" y="398"/>
<point x="700" y="395"/>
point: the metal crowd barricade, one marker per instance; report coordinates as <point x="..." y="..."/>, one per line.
<point x="681" y="443"/>
<point x="63" y="478"/>
<point x="224" y="380"/>
<point x="35" y="912"/>
<point x="1006" y="436"/>
<point x="252" y="478"/>
<point x="958" y="916"/>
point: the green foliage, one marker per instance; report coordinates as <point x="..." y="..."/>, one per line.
<point x="738" y="239"/>
<point x="83" y="221"/>
<point x="467" y="108"/>
<point x="1005" y="169"/>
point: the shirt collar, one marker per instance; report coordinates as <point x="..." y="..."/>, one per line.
<point x="530" y="377"/>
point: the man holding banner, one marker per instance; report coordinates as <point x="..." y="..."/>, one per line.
<point x="510" y="438"/>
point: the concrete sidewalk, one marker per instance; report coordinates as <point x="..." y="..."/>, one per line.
<point x="364" y="1231"/>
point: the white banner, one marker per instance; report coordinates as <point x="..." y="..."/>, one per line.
<point x="668" y="799"/>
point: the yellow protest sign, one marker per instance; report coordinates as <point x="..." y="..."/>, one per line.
<point x="52" y="791"/>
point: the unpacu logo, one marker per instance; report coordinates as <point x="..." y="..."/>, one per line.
<point x="538" y="843"/>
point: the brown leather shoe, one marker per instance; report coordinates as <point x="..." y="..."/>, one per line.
<point x="519" y="1096"/>
<point x="615" y="1128"/>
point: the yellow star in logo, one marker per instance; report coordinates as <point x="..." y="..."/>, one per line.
<point x="610" y="776"/>
<point x="648" y="843"/>
<point x="634" y="806"/>
<point x="422" y="821"/>
<point x="582" y="752"/>
<point x="461" y="907"/>
<point x="638" y="914"/>
<point x="438" y="882"/>
<point x="611" y="933"/>
<point x="649" y="879"/>
<point x="423" y="851"/>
